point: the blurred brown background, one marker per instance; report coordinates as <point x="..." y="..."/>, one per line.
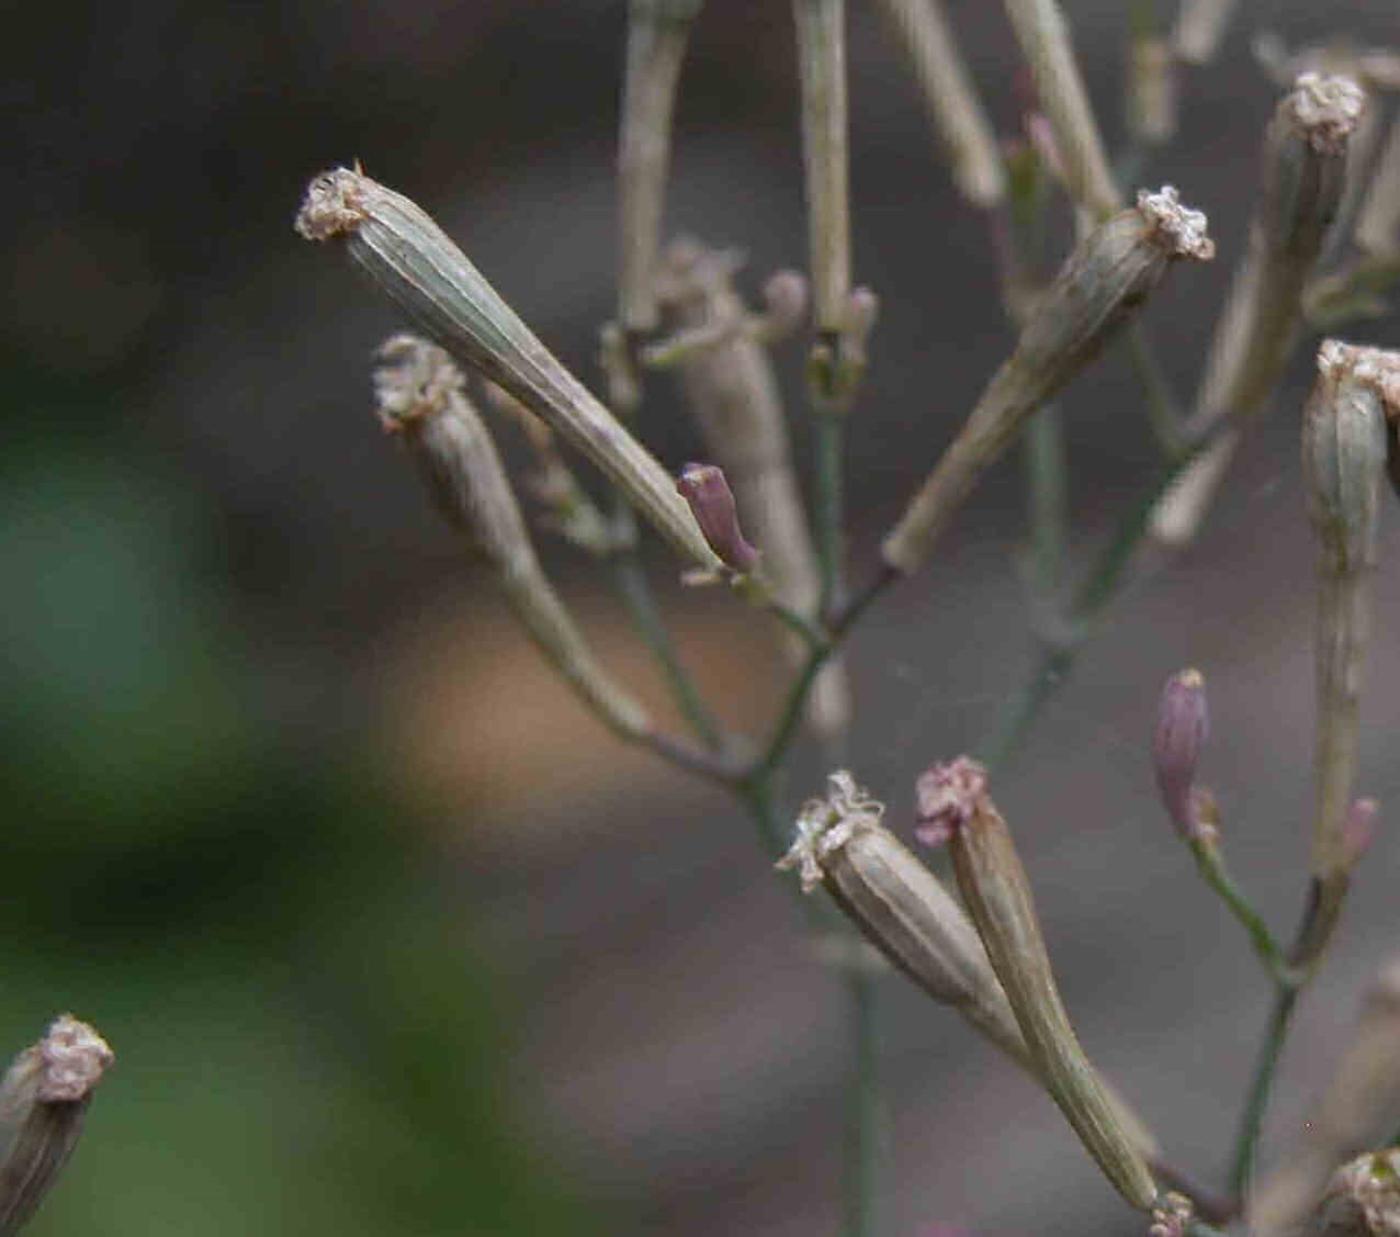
<point x="390" y="938"/>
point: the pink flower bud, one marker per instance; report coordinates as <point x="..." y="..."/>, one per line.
<point x="947" y="796"/>
<point x="711" y="501"/>
<point x="1358" y="830"/>
<point x="1183" y="725"/>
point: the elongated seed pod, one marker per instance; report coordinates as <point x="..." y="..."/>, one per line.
<point x="43" y="1099"/>
<point x="901" y="908"/>
<point x="821" y="58"/>
<point x="1305" y="167"/>
<point x="1344" y="461"/>
<point x="953" y="800"/>
<point x="420" y="398"/>
<point x="1041" y="30"/>
<point x="1105" y="280"/>
<point x="657" y="33"/>
<point x="964" y="131"/>
<point x="413" y="261"/>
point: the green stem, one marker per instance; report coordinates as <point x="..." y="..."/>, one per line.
<point x="1211" y="865"/>
<point x="1247" y="1141"/>
<point x="829" y="430"/>
<point x="1047" y="482"/>
<point x="632" y="585"/>
<point x="1019" y="713"/>
<point x="1163" y="412"/>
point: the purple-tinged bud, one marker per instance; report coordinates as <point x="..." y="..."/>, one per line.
<point x="711" y="501"/>
<point x="1183" y="724"/>
<point x="1358" y="830"/>
<point x="947" y="795"/>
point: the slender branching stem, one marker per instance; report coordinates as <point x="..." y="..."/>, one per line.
<point x="1211" y="865"/>
<point x="829" y="431"/>
<point x="1163" y="412"/>
<point x="630" y="580"/>
<point x="1047" y="483"/>
<point x="1261" y="1084"/>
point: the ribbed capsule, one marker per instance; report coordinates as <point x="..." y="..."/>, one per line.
<point x="964" y="130"/>
<point x="420" y="398"/>
<point x="1344" y="447"/>
<point x="901" y="908"/>
<point x="1041" y="30"/>
<point x="413" y="261"/>
<point x="1105" y="280"/>
<point x="821" y="61"/>
<point x="1344" y="460"/>
<point x="657" y="33"/>
<point x="954" y="802"/>
<point x="1304" y="176"/>
<point x="43" y="1099"/>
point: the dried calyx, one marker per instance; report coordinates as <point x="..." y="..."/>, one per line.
<point x="954" y="804"/>
<point x="43" y="1099"/>
<point x="1104" y="281"/>
<point x="900" y="907"/>
<point x="419" y="394"/>
<point x="393" y="241"/>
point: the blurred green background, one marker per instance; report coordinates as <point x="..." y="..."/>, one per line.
<point x="388" y="938"/>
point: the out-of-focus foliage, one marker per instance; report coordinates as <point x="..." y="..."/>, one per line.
<point x="306" y="1042"/>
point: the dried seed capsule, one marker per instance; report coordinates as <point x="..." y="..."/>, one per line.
<point x="1344" y="460"/>
<point x="1105" y="279"/>
<point x="821" y="59"/>
<point x="963" y="128"/>
<point x="43" y="1099"/>
<point x="1040" y="29"/>
<point x="414" y="262"/>
<point x="900" y="907"/>
<point x="657" y="33"/>
<point x="1305" y="165"/>
<point x="420" y="398"/>
<point x="953" y="801"/>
